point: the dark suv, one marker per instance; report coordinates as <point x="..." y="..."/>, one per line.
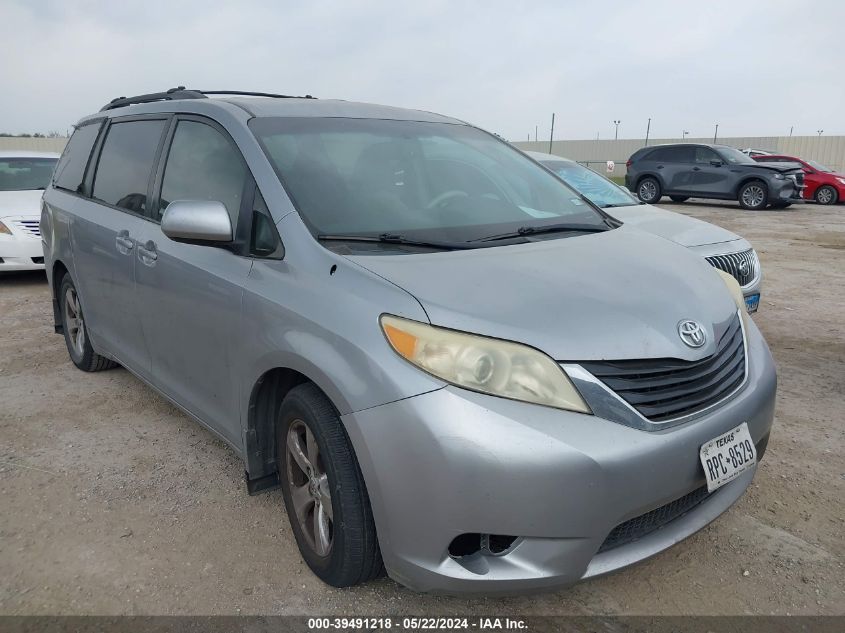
<point x="711" y="171"/>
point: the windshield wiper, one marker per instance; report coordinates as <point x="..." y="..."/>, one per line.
<point x="394" y="238"/>
<point x="614" y="205"/>
<point x="525" y="231"/>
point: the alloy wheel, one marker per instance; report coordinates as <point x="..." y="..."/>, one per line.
<point x="73" y="321"/>
<point x="309" y="489"/>
<point x="753" y="195"/>
<point x="824" y="195"/>
<point x="648" y="190"/>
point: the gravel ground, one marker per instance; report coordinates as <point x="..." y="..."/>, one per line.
<point x="113" y="502"/>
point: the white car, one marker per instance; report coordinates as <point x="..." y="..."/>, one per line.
<point x="23" y="177"/>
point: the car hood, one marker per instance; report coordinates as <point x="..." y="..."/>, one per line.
<point x="672" y="226"/>
<point x="20" y="203"/>
<point x="783" y="168"/>
<point x="613" y="295"/>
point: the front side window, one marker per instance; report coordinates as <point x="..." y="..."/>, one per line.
<point x="595" y="187"/>
<point x="25" y="174"/>
<point x="433" y="181"/>
<point x="703" y="155"/>
<point x="126" y="161"/>
<point x="203" y="165"/>
<point x="735" y="157"/>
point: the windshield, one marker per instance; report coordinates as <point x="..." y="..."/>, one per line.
<point x="22" y="174"/>
<point x="427" y="181"/>
<point x="598" y="189"/>
<point x="817" y="166"/>
<point x="734" y="156"/>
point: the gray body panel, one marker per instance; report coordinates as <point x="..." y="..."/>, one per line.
<point x="204" y="326"/>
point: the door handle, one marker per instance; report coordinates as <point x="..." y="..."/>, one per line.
<point x="660" y="166"/>
<point x="147" y="253"/>
<point x="124" y="242"/>
<point x="696" y="168"/>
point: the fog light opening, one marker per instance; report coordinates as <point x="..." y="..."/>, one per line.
<point x="465" y="545"/>
<point x="472" y="543"/>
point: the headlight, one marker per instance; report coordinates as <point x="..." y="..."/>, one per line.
<point x="4" y="229"/>
<point x="488" y="365"/>
<point x="736" y="293"/>
<point x="842" y="180"/>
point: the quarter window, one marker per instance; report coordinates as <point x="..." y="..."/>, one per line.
<point x="123" y="171"/>
<point x="203" y="165"/>
<point x="71" y="168"/>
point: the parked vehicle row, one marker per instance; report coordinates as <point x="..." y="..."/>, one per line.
<point x="721" y="248"/>
<point x="23" y="177"/>
<point x="685" y="170"/>
<point x="453" y="364"/>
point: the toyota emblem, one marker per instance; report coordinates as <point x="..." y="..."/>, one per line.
<point x="692" y="333"/>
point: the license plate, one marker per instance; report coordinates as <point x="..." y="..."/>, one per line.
<point x="752" y="302"/>
<point x="728" y="456"/>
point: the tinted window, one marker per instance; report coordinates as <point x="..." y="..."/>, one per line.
<point x="678" y="154"/>
<point x="126" y="161"/>
<point x="203" y="165"/>
<point x="71" y="168"/>
<point x="705" y="155"/>
<point x="23" y="174"/>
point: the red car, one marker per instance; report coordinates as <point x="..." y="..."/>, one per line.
<point x="821" y="183"/>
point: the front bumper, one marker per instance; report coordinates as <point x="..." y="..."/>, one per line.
<point x="451" y="462"/>
<point x="20" y="250"/>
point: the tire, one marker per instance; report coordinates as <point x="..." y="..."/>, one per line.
<point x="649" y="190"/>
<point x="76" y="332"/>
<point x="679" y="198"/>
<point x="781" y="205"/>
<point x="753" y="195"/>
<point x="826" y="195"/>
<point x="331" y="519"/>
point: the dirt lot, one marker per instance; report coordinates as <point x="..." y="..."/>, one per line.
<point x="113" y="502"/>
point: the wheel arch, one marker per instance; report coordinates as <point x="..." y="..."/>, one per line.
<point x="650" y="174"/>
<point x="265" y="399"/>
<point x="749" y="178"/>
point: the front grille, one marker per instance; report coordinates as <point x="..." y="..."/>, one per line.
<point x="640" y="526"/>
<point x="742" y="266"/>
<point x="667" y="388"/>
<point x="30" y="227"/>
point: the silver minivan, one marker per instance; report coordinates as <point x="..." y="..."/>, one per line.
<point x="456" y="368"/>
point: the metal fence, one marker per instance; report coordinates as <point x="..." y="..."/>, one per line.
<point x="30" y="144"/>
<point x="828" y="150"/>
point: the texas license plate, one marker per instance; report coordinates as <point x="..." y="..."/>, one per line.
<point x="728" y="456"/>
<point x="752" y="302"/>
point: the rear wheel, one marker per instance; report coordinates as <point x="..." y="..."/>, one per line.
<point x="649" y="190"/>
<point x="826" y="195"/>
<point x="753" y="195"/>
<point x="76" y="332"/>
<point x="679" y="198"/>
<point x="324" y="492"/>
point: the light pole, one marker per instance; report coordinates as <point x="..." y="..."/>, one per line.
<point x="647" y="130"/>
<point x="716" y="133"/>
<point x="684" y="135"/>
<point x="820" y="132"/>
<point x="616" y="134"/>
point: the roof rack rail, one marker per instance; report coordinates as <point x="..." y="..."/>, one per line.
<point x="181" y="93"/>
<point x="174" y="93"/>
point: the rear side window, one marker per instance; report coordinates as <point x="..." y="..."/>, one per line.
<point x="70" y="172"/>
<point x="676" y="154"/>
<point x="126" y="161"/>
<point x="203" y="165"/>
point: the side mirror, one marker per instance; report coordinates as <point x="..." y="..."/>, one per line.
<point x="197" y="221"/>
<point x="716" y="163"/>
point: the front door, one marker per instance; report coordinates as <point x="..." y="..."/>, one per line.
<point x="711" y="175"/>
<point x="189" y="296"/>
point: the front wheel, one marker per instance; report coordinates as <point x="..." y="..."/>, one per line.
<point x="76" y="332"/>
<point x="826" y="195"/>
<point x="649" y="190"/>
<point x="324" y="492"/>
<point x="753" y="195"/>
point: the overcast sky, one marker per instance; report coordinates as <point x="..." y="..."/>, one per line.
<point x="756" y="67"/>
